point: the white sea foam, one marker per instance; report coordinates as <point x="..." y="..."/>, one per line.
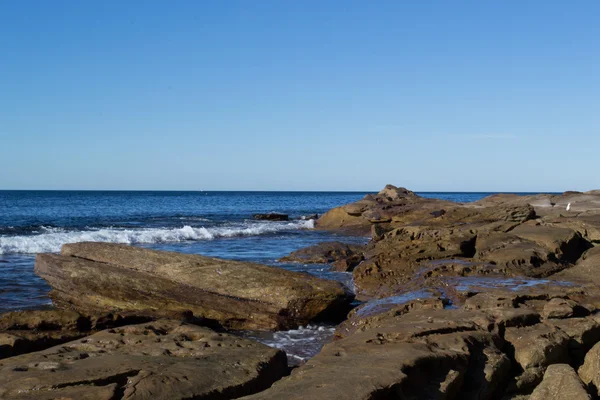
<point x="51" y="239"/>
<point x="299" y="344"/>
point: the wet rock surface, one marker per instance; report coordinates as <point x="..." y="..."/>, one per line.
<point x="95" y="277"/>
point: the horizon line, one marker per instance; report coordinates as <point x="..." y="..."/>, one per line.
<point x="280" y="191"/>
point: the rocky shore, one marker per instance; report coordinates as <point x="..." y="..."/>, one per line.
<point x="496" y="299"/>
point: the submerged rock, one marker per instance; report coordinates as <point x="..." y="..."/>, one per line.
<point x="158" y="360"/>
<point x="272" y="217"/>
<point x="100" y="277"/>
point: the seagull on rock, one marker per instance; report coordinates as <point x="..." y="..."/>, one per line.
<point x="568" y="206"/>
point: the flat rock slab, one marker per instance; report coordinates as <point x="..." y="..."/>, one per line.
<point x="99" y="277"/>
<point x="159" y="360"/>
<point x="34" y="330"/>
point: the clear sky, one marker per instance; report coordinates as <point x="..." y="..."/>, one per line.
<point x="300" y="95"/>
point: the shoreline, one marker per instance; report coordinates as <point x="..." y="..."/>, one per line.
<point x="439" y="282"/>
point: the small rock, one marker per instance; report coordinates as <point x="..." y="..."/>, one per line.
<point x="558" y="308"/>
<point x="272" y="217"/>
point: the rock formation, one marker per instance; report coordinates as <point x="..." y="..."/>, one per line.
<point x="158" y="360"/>
<point x="100" y="277"/>
<point x="497" y="299"/>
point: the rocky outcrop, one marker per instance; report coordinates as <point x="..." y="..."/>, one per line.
<point x="272" y="217"/>
<point x="343" y="257"/>
<point x="499" y="344"/>
<point x="388" y="206"/>
<point x="157" y="360"/>
<point x="100" y="277"/>
<point x="518" y="235"/>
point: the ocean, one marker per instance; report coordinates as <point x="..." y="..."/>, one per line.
<point x="217" y="224"/>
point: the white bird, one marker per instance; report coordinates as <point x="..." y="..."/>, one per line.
<point x="568" y="206"/>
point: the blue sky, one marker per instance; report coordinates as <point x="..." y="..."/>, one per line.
<point x="306" y="95"/>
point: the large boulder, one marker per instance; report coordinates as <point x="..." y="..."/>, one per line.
<point x="560" y="383"/>
<point x="159" y="360"/>
<point x="98" y="277"/>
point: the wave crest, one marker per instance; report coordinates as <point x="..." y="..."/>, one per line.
<point x="51" y="240"/>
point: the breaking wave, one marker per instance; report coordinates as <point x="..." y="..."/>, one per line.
<point x="51" y="239"/>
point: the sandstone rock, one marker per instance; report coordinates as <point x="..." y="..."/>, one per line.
<point x="587" y="268"/>
<point x="340" y="219"/>
<point x="344" y="256"/>
<point x="583" y="334"/>
<point x="371" y="314"/>
<point x="520" y="256"/>
<point x="100" y="277"/>
<point x="589" y="372"/>
<point x="395" y="259"/>
<point x="34" y="330"/>
<point x="392" y="193"/>
<point x="159" y="360"/>
<point x="535" y="347"/>
<point x="43" y="320"/>
<point x="391" y="204"/>
<point x="431" y="367"/>
<point x="565" y="244"/>
<point x="491" y="300"/>
<point x="560" y="383"/>
<point x="558" y="308"/>
<point x="379" y="230"/>
<point x="272" y="217"/>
